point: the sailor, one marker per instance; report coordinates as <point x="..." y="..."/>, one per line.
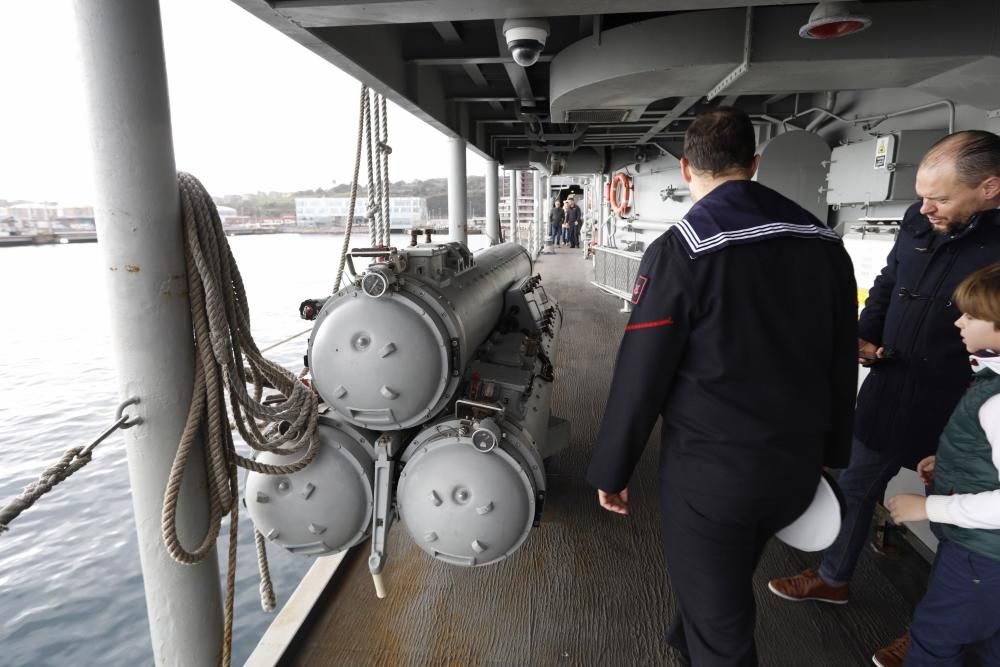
<point x="742" y="338"/>
<point x="919" y="365"/>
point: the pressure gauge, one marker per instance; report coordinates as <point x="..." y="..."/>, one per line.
<point x="486" y="435"/>
<point x="376" y="282"/>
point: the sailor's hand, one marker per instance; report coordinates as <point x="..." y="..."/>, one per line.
<point x="907" y="507"/>
<point x="868" y="353"/>
<point x="614" y="502"/>
<point x="926" y="470"/>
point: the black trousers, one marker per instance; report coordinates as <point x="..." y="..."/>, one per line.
<point x="712" y="545"/>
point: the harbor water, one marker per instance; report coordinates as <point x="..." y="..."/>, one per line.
<point x="71" y="589"/>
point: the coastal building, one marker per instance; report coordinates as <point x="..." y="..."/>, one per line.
<point x="33" y="212"/>
<point x="404" y="212"/>
<point x="226" y="212"/>
<point x="525" y="196"/>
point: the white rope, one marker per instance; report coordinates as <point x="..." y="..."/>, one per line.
<point x="362" y="106"/>
<point x="224" y="349"/>
<point x="373" y="217"/>
<point x="384" y="151"/>
<point x="375" y="198"/>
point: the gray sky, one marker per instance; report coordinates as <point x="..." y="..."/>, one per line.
<point x="251" y="109"/>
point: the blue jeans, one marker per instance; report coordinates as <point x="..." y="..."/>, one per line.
<point x="555" y="232"/>
<point x="863" y="484"/>
<point x="961" y="609"/>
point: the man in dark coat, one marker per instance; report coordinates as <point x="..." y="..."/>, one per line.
<point x="575" y="219"/>
<point x="556" y="217"/>
<point x="743" y="339"/>
<point x="919" y="366"/>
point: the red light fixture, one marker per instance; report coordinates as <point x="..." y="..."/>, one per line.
<point x="835" y="19"/>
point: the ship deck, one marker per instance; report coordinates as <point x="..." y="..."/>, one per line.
<point x="588" y="587"/>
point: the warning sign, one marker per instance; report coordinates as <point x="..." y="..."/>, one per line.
<point x="882" y="147"/>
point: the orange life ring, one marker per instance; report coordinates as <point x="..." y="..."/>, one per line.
<point x="620" y="193"/>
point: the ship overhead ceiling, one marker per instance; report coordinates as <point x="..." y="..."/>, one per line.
<point x="632" y="76"/>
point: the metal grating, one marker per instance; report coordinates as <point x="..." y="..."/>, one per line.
<point x="616" y="270"/>
<point x="597" y="115"/>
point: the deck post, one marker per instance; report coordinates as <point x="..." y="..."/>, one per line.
<point x="515" y="235"/>
<point x="457" y="223"/>
<point x="536" y="190"/>
<point x="492" y="202"/>
<point x="139" y="233"/>
<point x="601" y="214"/>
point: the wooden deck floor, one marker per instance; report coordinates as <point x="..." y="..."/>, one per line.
<point x="587" y="588"/>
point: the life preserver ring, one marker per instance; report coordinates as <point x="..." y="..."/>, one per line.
<point x="620" y="193"/>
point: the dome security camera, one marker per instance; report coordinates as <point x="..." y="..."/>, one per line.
<point x="525" y="39"/>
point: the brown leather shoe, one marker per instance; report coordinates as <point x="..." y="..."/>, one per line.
<point x="808" y="586"/>
<point x="893" y="655"/>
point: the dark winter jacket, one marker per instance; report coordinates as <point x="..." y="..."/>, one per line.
<point x="556" y="215"/>
<point x="574" y="216"/>
<point x="907" y="398"/>
<point x="743" y="338"/>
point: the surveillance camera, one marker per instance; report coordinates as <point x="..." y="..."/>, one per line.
<point x="525" y="39"/>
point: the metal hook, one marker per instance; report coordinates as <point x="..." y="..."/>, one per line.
<point x="128" y="423"/>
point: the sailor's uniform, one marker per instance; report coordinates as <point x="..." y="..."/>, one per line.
<point x="742" y="338"/>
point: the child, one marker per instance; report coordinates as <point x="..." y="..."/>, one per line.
<point x="962" y="604"/>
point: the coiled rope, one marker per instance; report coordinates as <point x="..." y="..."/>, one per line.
<point x="224" y="353"/>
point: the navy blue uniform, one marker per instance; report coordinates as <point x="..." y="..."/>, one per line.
<point x="742" y="339"/>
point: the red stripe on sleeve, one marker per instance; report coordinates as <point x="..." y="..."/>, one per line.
<point x="649" y="325"/>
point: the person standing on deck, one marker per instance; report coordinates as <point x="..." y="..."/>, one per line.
<point x="742" y="338"/>
<point x="556" y="217"/>
<point x="575" y="219"/>
<point x="919" y="366"/>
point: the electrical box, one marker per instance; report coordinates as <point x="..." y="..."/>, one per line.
<point x="880" y="169"/>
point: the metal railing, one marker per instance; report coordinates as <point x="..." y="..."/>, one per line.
<point x="615" y="270"/>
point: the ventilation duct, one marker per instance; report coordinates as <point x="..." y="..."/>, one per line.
<point x="597" y="115"/>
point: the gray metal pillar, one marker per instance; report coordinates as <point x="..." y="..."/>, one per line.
<point x="602" y="214"/>
<point x="539" y="201"/>
<point x="492" y="202"/>
<point x="514" y="197"/>
<point x="139" y="229"/>
<point x="457" y="222"/>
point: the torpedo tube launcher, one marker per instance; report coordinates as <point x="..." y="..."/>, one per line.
<point x="436" y="368"/>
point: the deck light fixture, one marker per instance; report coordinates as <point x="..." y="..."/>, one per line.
<point x="835" y="19"/>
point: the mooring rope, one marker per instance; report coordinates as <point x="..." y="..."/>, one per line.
<point x="224" y="350"/>
<point x="72" y="460"/>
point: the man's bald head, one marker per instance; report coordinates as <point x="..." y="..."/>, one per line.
<point x="959" y="177"/>
<point x="973" y="154"/>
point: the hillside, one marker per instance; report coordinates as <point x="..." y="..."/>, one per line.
<point x="276" y="204"/>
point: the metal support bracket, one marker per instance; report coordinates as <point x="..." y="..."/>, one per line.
<point x="742" y="68"/>
<point x="386" y="447"/>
